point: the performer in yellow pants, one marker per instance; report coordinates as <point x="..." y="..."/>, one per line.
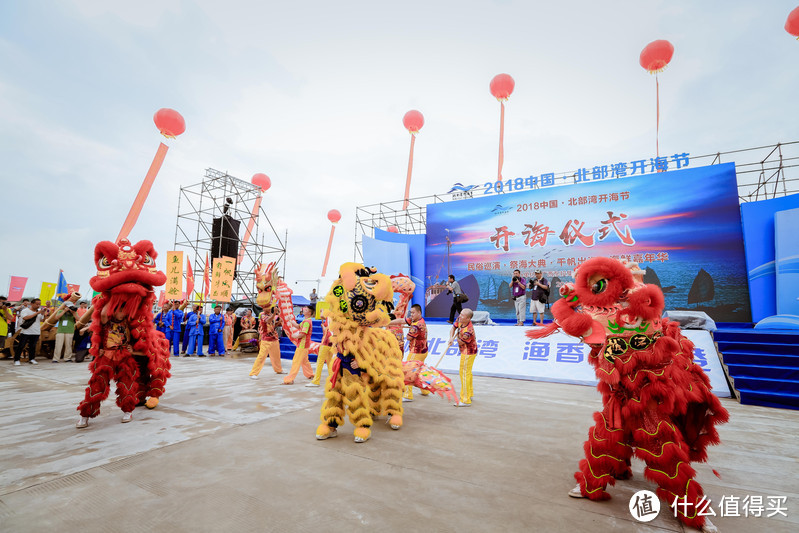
<point x="325" y="356"/>
<point x="468" y="347"/>
<point x="300" y="359"/>
<point x="270" y="345"/>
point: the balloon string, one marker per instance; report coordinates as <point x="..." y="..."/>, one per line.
<point x="501" y="139"/>
<point x="250" y="225"/>
<point x="408" y="179"/>
<point x="327" y="255"/>
<point x="144" y="190"/>
<point x="657" y="120"/>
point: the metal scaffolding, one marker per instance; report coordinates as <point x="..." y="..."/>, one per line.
<point x="200" y="203"/>
<point x="762" y="172"/>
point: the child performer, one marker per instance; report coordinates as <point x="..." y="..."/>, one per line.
<point x="301" y="353"/>
<point x="417" y="343"/>
<point x="464" y="330"/>
<point x="269" y="343"/>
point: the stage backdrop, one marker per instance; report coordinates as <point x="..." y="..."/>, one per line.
<point x="683" y="227"/>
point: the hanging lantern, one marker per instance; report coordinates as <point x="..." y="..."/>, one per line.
<point x="413" y="121"/>
<point x="262" y="181"/>
<point x="656" y="55"/>
<point x="502" y="86"/>
<point x="792" y="23"/>
<point x="169" y="122"/>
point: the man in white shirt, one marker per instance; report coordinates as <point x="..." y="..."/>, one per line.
<point x="29" y="336"/>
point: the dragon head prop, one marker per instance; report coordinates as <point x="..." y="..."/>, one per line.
<point x="609" y="300"/>
<point x="266" y="280"/>
<point x="125" y="269"/>
<point x="362" y="295"/>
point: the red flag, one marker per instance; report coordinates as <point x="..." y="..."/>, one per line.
<point x="16" y="288"/>
<point x="162" y="299"/>
<point x="71" y="287"/>
<point x="206" y="277"/>
<point x="189" y="278"/>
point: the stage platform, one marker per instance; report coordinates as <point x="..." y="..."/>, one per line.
<point x="226" y="453"/>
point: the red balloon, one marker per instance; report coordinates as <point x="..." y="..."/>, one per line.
<point x="393" y="229"/>
<point x="413" y="121"/>
<point x="656" y="55"/>
<point x="333" y="215"/>
<point x="262" y="181"/>
<point x="502" y="86"/>
<point x="169" y="122"/>
<point x="792" y="24"/>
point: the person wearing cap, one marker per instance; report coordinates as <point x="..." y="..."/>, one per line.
<point x="216" y="323"/>
<point x="65" y="331"/>
<point x="538" y="296"/>
<point x="518" y="292"/>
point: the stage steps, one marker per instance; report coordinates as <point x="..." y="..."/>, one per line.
<point x="763" y="365"/>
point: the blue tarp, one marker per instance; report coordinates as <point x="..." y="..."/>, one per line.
<point x="298" y="299"/>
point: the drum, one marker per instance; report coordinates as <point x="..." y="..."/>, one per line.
<point x="248" y="340"/>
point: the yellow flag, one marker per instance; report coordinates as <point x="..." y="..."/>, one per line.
<point x="174" y="275"/>
<point x="48" y="291"/>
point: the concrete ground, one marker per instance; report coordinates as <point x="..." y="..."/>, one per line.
<point x="226" y="453"/>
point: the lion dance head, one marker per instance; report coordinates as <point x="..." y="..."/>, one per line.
<point x="361" y="295"/>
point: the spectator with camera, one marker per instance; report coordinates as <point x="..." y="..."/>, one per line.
<point x="518" y="291"/>
<point x="65" y="331"/>
<point x="30" y="321"/>
<point x="457" y="298"/>
<point x="539" y="295"/>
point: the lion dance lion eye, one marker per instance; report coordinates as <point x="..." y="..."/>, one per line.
<point x="599" y="286"/>
<point x="149" y="261"/>
<point x="104" y="263"/>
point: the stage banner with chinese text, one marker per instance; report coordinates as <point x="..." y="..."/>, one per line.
<point x="174" y="275"/>
<point x="505" y="351"/>
<point x="682" y="227"/>
<point x="222" y="278"/>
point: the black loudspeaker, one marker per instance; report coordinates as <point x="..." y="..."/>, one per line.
<point x="225" y="237"/>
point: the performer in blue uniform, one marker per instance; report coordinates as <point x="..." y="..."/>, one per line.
<point x="173" y="321"/>
<point x="195" y="325"/>
<point x="160" y="318"/>
<point x="216" y="323"/>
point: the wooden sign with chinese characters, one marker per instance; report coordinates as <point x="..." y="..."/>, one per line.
<point x="222" y="278"/>
<point x="174" y="275"/>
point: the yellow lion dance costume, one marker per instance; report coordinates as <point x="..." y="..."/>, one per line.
<point x="366" y="377"/>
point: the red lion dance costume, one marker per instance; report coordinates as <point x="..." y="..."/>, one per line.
<point x="657" y="403"/>
<point x="126" y="347"/>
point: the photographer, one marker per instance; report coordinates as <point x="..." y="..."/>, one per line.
<point x="457" y="298"/>
<point x="30" y="321"/>
<point x="539" y="294"/>
<point x="518" y="293"/>
<point x="65" y="331"/>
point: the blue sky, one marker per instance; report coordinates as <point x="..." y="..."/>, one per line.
<point x="313" y="94"/>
